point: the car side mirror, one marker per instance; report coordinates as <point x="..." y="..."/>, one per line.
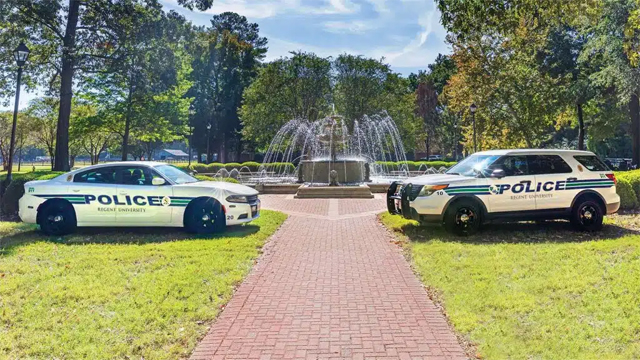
<point x="157" y="181"/>
<point x="497" y="174"/>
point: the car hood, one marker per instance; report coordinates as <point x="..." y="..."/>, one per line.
<point x="436" y="179"/>
<point x="220" y="186"/>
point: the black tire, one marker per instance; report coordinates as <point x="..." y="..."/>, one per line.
<point x="57" y="218"/>
<point x="587" y="215"/>
<point x="204" y="216"/>
<point x="463" y="218"/>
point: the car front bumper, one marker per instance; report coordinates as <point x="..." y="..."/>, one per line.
<point x="238" y="213"/>
<point x="423" y="209"/>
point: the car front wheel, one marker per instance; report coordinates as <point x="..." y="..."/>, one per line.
<point x="463" y="218"/>
<point x="587" y="215"/>
<point x="204" y="216"/>
<point x="57" y="218"/>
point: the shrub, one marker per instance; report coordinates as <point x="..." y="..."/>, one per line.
<point x="209" y="178"/>
<point x="634" y="179"/>
<point x="233" y="165"/>
<point x="628" y="197"/>
<point x="280" y="167"/>
<point x="201" y="168"/>
<point x="416" y="165"/>
<point x="214" y="168"/>
<point x="15" y="190"/>
<point x="252" y="165"/>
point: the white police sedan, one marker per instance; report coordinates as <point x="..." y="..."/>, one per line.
<point x="136" y="193"/>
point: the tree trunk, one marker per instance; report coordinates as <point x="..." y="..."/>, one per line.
<point x="66" y="88"/>
<point x="427" y="143"/>
<point x="580" y="127"/>
<point x="127" y="128"/>
<point x="222" y="154"/>
<point x="19" y="157"/>
<point x="634" y="110"/>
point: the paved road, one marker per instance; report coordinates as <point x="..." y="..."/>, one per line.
<point x="330" y="284"/>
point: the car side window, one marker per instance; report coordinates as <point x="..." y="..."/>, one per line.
<point x="592" y="162"/>
<point x="105" y="175"/>
<point x="512" y="165"/>
<point x="548" y="164"/>
<point x="136" y="175"/>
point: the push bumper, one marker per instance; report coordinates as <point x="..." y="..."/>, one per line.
<point x="399" y="203"/>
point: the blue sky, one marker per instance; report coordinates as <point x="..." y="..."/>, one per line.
<point x="406" y="33"/>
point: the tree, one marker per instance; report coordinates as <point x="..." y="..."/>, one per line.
<point x="359" y="83"/>
<point x="427" y="110"/>
<point x="72" y="39"/>
<point x="226" y="60"/>
<point x="297" y="87"/>
<point x="42" y="113"/>
<point x="610" y="47"/>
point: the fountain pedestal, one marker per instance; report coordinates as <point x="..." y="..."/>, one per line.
<point x="307" y="191"/>
<point x="318" y="171"/>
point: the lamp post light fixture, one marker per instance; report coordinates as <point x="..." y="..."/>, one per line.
<point x="208" y="141"/>
<point x="20" y="54"/>
<point x="473" y="109"/>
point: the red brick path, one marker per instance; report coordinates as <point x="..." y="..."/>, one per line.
<point x="330" y="285"/>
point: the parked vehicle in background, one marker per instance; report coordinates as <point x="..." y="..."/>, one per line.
<point x="511" y="185"/>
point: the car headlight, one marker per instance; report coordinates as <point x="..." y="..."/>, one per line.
<point x="430" y="189"/>
<point x="237" y="199"/>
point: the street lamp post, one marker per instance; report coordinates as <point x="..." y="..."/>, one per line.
<point x="20" y="54"/>
<point x="473" y="109"/>
<point x="208" y="142"/>
<point x="192" y="112"/>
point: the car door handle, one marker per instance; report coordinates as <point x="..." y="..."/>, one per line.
<point x="572" y="179"/>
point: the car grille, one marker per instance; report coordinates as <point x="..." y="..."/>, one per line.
<point x="252" y="199"/>
<point x="415" y="190"/>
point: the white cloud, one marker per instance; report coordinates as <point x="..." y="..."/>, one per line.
<point x="353" y="27"/>
<point x="256" y="9"/>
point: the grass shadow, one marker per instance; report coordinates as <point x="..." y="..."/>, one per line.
<point x="117" y="235"/>
<point x="521" y="232"/>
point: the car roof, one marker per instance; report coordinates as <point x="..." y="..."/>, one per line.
<point x="533" y="151"/>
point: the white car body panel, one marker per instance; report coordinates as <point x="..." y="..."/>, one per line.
<point x="100" y="204"/>
<point x="513" y="194"/>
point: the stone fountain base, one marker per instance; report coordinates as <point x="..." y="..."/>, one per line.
<point x="348" y="171"/>
<point x="307" y="191"/>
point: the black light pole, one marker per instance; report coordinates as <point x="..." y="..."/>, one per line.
<point x="21" y="54"/>
<point x="192" y="112"/>
<point x="473" y="109"/>
<point x="208" y="141"/>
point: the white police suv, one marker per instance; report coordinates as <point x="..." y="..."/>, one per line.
<point x="511" y="185"/>
<point x="136" y="194"/>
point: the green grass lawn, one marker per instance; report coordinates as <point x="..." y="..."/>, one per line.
<point x="528" y="291"/>
<point x="118" y="293"/>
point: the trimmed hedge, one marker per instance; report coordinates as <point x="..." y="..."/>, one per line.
<point x="628" y="189"/>
<point x="253" y="167"/>
<point x="209" y="178"/>
<point x="15" y="190"/>
<point x="415" y="165"/>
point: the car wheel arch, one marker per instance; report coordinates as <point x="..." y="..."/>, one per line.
<point x="52" y="201"/>
<point x="590" y="194"/>
<point x="456" y="198"/>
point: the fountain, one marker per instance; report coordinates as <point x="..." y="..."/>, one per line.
<point x="331" y="146"/>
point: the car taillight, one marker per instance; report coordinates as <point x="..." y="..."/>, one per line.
<point x="613" y="177"/>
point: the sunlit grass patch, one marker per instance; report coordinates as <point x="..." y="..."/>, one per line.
<point x="535" y="291"/>
<point x="118" y="293"/>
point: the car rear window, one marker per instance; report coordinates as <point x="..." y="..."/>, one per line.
<point x="548" y="164"/>
<point x="592" y="162"/>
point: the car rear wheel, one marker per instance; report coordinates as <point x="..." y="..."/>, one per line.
<point x="57" y="218"/>
<point x="463" y="218"/>
<point x="587" y="215"/>
<point x="204" y="216"/>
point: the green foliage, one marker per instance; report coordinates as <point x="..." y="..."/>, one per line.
<point x="162" y="287"/>
<point x="210" y="178"/>
<point x="252" y="165"/>
<point x="231" y="166"/>
<point x="517" y="290"/>
<point x="15" y="190"/>
<point x="628" y="188"/>
<point x="288" y="88"/>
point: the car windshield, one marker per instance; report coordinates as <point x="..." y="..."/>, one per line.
<point x="174" y="174"/>
<point x="473" y="165"/>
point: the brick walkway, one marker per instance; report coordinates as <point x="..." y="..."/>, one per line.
<point x="330" y="285"/>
